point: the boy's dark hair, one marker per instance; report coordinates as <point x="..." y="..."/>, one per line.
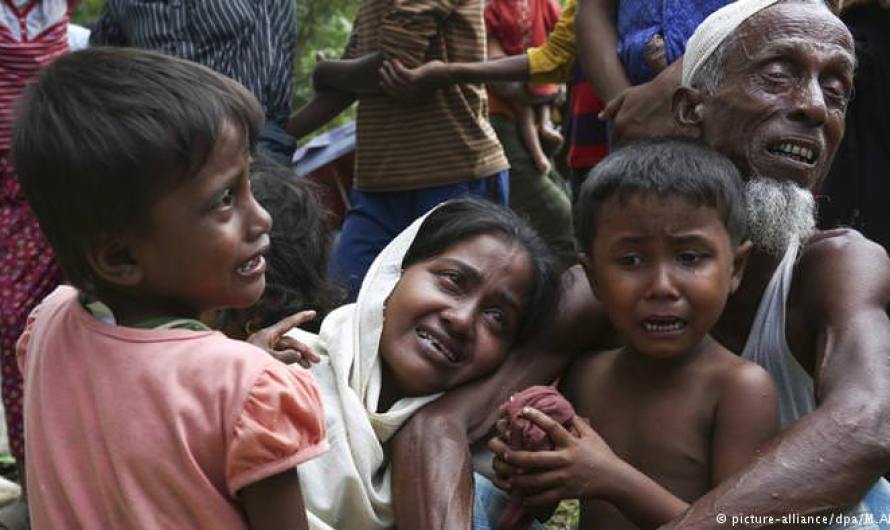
<point x="664" y="167"/>
<point x="461" y="219"/>
<point x="105" y="131"/>
<point x="297" y="261"/>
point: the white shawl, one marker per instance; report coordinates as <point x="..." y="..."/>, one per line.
<point x="348" y="488"/>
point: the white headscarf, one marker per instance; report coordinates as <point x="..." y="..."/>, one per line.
<point x="348" y="488"/>
<point x="714" y="30"/>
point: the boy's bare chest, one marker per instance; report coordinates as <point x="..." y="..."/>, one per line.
<point x="662" y="430"/>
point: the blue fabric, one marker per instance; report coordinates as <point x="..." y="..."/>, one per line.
<point x="878" y="503"/>
<point x="375" y="218"/>
<point x="640" y="20"/>
<point x="872" y="513"/>
<point x="489" y="503"/>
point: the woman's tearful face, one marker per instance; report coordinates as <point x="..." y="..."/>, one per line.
<point x="451" y="318"/>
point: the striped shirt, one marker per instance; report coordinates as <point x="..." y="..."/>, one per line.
<point x="32" y="33"/>
<point x="251" y="41"/>
<point x="443" y="139"/>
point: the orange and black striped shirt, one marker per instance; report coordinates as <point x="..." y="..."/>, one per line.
<point x="443" y="139"/>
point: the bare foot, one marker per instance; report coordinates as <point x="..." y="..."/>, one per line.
<point x="15" y="516"/>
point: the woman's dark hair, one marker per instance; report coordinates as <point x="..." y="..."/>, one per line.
<point x="300" y="244"/>
<point x="461" y="219"/>
<point x="104" y="132"/>
<point x="663" y="168"/>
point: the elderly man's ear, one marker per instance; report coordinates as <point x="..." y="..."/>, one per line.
<point x="688" y="109"/>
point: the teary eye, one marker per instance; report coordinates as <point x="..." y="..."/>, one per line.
<point x="226" y="198"/>
<point x="451" y="280"/>
<point x="629" y="261"/>
<point x="690" y="258"/>
<point x="836" y="95"/>
<point x="776" y="75"/>
<point x="496" y="319"/>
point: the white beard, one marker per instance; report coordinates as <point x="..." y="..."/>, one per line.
<point x="778" y="213"/>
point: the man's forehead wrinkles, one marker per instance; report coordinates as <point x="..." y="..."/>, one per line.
<point x="748" y="51"/>
<point x="797" y="44"/>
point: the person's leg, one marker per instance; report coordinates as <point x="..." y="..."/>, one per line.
<point x="534" y="196"/>
<point x="550" y="137"/>
<point x="528" y="131"/>
<point x="373" y="220"/>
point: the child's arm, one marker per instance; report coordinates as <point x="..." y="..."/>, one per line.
<point x="356" y="76"/>
<point x="275" y="503"/>
<point x="582" y="466"/>
<point x="747" y="417"/>
<point x="324" y="107"/>
<point x="399" y="81"/>
<point x="513" y="92"/>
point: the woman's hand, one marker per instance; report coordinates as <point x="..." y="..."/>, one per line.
<point x="286" y="349"/>
<point x="581" y="464"/>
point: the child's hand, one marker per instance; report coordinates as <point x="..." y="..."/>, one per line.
<point x="401" y="82"/>
<point x="286" y="349"/>
<point x="498" y="445"/>
<point x="580" y="465"/>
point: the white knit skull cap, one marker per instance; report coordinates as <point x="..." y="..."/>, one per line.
<point x="714" y="30"/>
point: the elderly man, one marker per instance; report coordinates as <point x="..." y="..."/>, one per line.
<point x="767" y="83"/>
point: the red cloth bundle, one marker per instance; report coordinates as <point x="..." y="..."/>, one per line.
<point x="523" y="434"/>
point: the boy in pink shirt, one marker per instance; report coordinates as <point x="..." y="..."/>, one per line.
<point x="136" y="415"/>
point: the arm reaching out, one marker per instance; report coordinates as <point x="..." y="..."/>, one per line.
<point x="354" y="76"/>
<point x="399" y="81"/>
<point x="323" y="108"/>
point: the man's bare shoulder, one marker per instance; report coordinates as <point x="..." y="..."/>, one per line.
<point x="839" y="241"/>
<point x="840" y="270"/>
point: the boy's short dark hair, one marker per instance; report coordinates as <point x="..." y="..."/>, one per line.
<point x="461" y="219"/>
<point x="104" y="132"/>
<point x="664" y="167"/>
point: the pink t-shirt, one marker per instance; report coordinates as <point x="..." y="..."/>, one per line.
<point x="150" y="429"/>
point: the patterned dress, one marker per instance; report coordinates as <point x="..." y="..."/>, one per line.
<point x="32" y="33"/>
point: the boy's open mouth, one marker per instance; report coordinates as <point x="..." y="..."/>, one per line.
<point x="663" y="324"/>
